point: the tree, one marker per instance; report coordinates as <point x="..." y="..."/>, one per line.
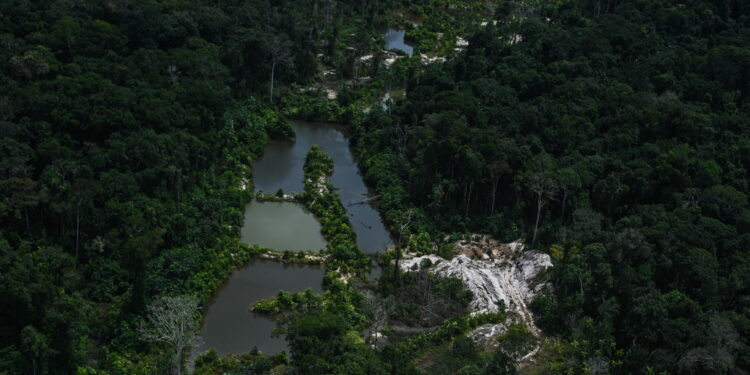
<point x="569" y="181"/>
<point x="173" y="321"/>
<point x="500" y="364"/>
<point x="19" y="195"/>
<point x="280" y="54"/>
<point x="35" y="347"/>
<point x="587" y="225"/>
<point x="65" y="31"/>
<point x="404" y="224"/>
<point x="495" y="170"/>
<point x="83" y="193"/>
<point x="545" y="188"/>
<point x="376" y="310"/>
<point x="34" y="63"/>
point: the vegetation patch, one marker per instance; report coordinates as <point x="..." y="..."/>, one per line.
<point x="286" y="302"/>
<point x="424" y="299"/>
<point x="322" y="200"/>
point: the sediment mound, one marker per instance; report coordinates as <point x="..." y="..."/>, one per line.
<point x="496" y="273"/>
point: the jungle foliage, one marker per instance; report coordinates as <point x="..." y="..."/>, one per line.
<point x="613" y="133"/>
<point x="126" y="133"/>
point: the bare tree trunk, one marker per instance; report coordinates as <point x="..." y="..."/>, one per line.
<point x="494" y="194"/>
<point x="178" y="361"/>
<point x="544" y="188"/>
<point x="539" y="204"/>
<point x="396" y="272"/>
<point x="562" y="212"/>
<point x="463" y="200"/>
<point x="403" y="227"/>
<point x="171" y="320"/>
<point x="468" y="199"/>
<point x="69" y="42"/>
<point x="78" y="224"/>
<point x="273" y="71"/>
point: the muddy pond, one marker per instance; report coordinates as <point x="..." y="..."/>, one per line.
<point x="281" y="226"/>
<point x="228" y="325"/>
<point x="281" y="167"/>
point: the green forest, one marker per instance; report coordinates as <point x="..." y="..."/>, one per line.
<point x="611" y="135"/>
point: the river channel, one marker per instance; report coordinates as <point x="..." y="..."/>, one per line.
<point x="228" y="326"/>
<point x="281" y="167"/>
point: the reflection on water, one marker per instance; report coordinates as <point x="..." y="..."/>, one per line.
<point x="281" y="226"/>
<point x="229" y="327"/>
<point x="394" y="39"/>
<point x="281" y="167"/>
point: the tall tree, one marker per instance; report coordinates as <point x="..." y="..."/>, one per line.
<point x="173" y="321"/>
<point x="545" y="188"/>
<point x="569" y="182"/>
<point x="406" y="221"/>
<point x="280" y="50"/>
<point x="35" y="347"/>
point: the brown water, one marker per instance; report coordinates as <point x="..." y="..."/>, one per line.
<point x="229" y="327"/>
<point x="281" y="167"/>
<point x="281" y="226"/>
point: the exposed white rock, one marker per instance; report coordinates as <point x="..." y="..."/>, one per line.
<point x="484" y="335"/>
<point x="331" y="94"/>
<point x="377" y="339"/>
<point x="391" y="58"/>
<point x="385" y="102"/>
<point x="496" y="274"/>
<point x="461" y="44"/>
<point x="244" y="184"/>
<point x="429" y="60"/>
<point x="512" y="38"/>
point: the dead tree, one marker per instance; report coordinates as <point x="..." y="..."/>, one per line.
<point x="280" y="55"/>
<point x="173" y="321"/>
<point x="406" y="222"/>
<point x="545" y="188"/>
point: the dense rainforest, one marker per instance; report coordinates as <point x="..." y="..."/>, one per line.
<point x="125" y="129"/>
<point x="615" y="135"/>
<point x="612" y="134"/>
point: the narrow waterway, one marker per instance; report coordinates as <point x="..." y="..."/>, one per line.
<point x="281" y="167"/>
<point x="229" y="326"/>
